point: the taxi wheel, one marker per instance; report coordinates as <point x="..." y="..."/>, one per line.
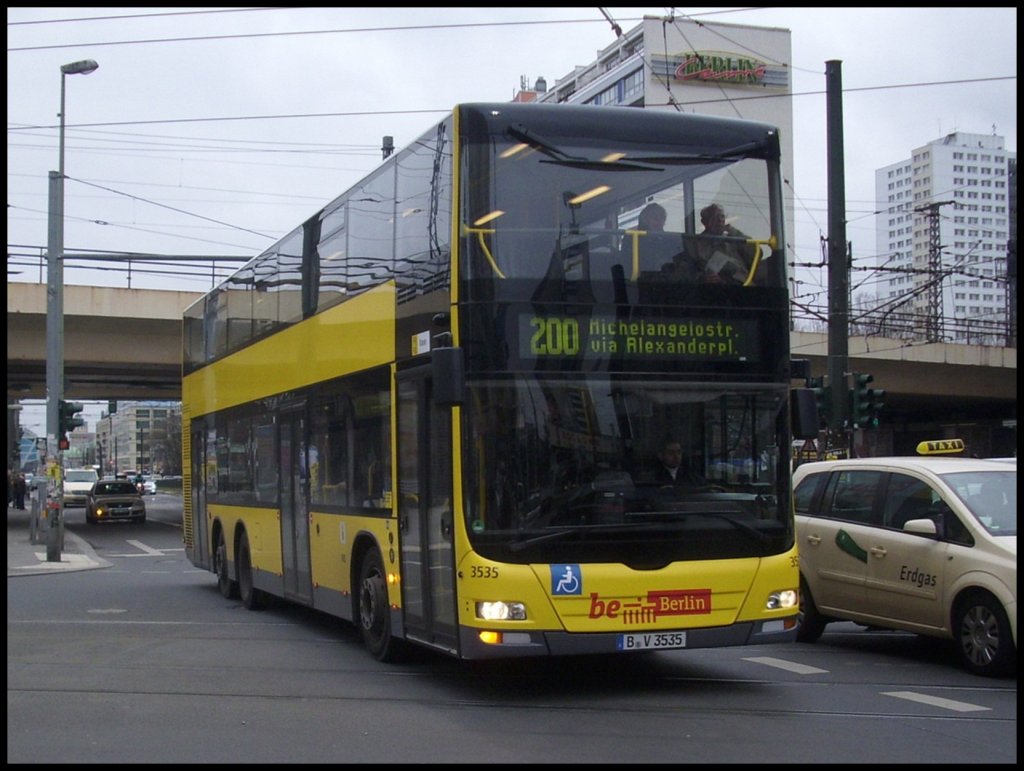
<point x="982" y="633"/>
<point x="812" y="623"/>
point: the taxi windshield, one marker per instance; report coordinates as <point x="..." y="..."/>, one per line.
<point x="991" y="497"/>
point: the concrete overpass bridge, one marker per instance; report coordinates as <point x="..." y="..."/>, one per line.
<point x="118" y="343"/>
<point x="126" y="344"/>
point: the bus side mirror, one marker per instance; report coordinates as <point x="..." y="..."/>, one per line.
<point x="448" y="369"/>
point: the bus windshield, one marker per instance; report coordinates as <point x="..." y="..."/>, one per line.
<point x="567" y="471"/>
<point x="620" y="289"/>
<point x="567" y="212"/>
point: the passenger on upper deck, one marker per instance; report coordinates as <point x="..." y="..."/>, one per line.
<point x="657" y="250"/>
<point x="722" y="261"/>
<point x="652" y="218"/>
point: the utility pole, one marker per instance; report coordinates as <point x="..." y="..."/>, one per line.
<point x="1011" y="286"/>
<point x="55" y="333"/>
<point x="838" y="262"/>
<point x="933" y="298"/>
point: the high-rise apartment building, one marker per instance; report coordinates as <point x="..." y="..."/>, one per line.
<point x="943" y="239"/>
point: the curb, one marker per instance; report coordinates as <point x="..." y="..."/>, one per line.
<point x="28" y="559"/>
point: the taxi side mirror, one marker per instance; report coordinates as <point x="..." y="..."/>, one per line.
<point x="924" y="527"/>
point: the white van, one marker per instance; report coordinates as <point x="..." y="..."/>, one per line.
<point x="77" y="484"/>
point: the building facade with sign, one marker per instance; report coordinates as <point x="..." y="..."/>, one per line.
<point x="140" y="437"/>
<point x="730" y="70"/>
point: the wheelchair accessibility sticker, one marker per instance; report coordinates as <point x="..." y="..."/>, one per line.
<point x="566" y="579"/>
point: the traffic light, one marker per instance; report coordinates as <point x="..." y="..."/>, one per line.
<point x="69" y="419"/>
<point x="861" y="399"/>
<point x="877" y="402"/>
<point x="822" y="399"/>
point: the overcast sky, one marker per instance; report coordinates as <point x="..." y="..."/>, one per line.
<point x="209" y="131"/>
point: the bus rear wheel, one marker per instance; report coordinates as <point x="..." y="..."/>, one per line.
<point x="252" y="598"/>
<point x="373" y="612"/>
<point x="228" y="588"/>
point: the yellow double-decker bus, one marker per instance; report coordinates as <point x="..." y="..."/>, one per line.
<point x="435" y="408"/>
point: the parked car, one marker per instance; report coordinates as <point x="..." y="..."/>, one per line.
<point x="77" y="483"/>
<point x="113" y="499"/>
<point x="919" y="544"/>
<point x="149" y="486"/>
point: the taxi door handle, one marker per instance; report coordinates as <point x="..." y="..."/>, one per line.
<point x="814" y="540"/>
<point x="878" y="551"/>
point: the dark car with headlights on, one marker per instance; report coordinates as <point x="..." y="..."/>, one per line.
<point x="114" y="499"/>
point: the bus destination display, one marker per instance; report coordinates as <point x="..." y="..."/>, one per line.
<point x="663" y="338"/>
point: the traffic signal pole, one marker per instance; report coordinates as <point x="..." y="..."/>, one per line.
<point x="838" y="263"/>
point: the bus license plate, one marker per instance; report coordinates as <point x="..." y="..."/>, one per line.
<point x="651" y="641"/>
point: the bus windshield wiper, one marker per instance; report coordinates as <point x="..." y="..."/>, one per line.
<point x="562" y="158"/>
<point x="537" y="143"/>
<point x="732" y="153"/>
<point x="583" y="163"/>
<point x="562" y="532"/>
<point x="708" y="512"/>
<point x="738" y="524"/>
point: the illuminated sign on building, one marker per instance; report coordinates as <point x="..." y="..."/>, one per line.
<point x="719" y="67"/>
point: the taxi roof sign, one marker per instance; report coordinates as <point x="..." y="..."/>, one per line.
<point x="940" y="447"/>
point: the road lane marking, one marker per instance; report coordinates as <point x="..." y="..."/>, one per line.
<point x="935" y="701"/>
<point x="147" y="551"/>
<point x="143" y="547"/>
<point x="789" y="666"/>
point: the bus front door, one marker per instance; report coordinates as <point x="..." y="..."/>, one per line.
<point x="295" y="561"/>
<point x="425" y="513"/>
<point x="198" y="550"/>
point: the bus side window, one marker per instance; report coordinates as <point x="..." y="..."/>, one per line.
<point x="373" y="486"/>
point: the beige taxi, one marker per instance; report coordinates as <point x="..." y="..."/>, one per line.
<point x="920" y="544"/>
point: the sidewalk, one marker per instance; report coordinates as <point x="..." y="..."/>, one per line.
<point x="25" y="558"/>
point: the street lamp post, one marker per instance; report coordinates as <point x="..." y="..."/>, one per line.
<point x="55" y="329"/>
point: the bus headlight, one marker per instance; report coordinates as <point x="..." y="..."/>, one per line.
<point x="783" y="598"/>
<point x="501" y="611"/>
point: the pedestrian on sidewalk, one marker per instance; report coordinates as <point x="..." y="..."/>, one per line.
<point x="20" y="488"/>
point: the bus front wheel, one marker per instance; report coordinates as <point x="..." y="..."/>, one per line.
<point x="374" y="613"/>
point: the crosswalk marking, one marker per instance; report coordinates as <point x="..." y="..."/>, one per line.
<point x="935" y="701"/>
<point x="146" y="551"/>
<point x="789" y="666"/>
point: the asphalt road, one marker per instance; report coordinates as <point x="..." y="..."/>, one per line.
<point x="140" y="660"/>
